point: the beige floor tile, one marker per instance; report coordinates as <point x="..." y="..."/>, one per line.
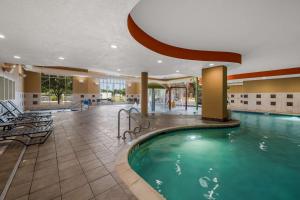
<point x="81" y="193"/>
<point x="48" y="193"/>
<point x="73" y="183"/>
<point x="26" y="162"/>
<point x="46" y="157"/>
<point x="70" y="172"/>
<point x="101" y="185"/>
<point x="66" y="157"/>
<point x="87" y="158"/>
<point x="115" y="193"/>
<point x="22" y="178"/>
<point x="15" y="192"/>
<point x="68" y="164"/>
<point x="43" y="182"/>
<point x="96" y="173"/>
<point x="46" y="163"/>
<point x="45" y="172"/>
<point x="91" y="165"/>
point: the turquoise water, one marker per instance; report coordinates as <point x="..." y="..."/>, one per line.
<point x="258" y="160"/>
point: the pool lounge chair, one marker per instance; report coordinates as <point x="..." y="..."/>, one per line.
<point x="9" y="123"/>
<point x="27" y="135"/>
<point x="16" y="109"/>
<point x="13" y="114"/>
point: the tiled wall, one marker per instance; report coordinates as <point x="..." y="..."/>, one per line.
<point x="265" y="102"/>
<point x="33" y="101"/>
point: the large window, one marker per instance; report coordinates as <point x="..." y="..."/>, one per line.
<point x="56" y="89"/>
<point x="112" y="89"/>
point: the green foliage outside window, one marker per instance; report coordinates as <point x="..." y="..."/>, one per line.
<point x="56" y="86"/>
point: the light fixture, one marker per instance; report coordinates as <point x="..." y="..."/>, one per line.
<point x="113" y="46"/>
<point x="118" y="70"/>
<point x="2" y="36"/>
<point x="159" y="61"/>
<point x="61" y="58"/>
<point x="177" y="71"/>
<point x="211" y="64"/>
<point x="17" y="57"/>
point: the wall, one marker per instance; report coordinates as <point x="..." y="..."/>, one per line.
<point x="274" y="95"/>
<point x="85" y="88"/>
<point x="15" y="75"/>
<point x="133" y="91"/>
<point x="32" y="90"/>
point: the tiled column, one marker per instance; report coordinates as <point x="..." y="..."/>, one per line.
<point x="144" y="93"/>
<point x="214" y="93"/>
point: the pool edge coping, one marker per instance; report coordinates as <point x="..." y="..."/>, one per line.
<point x="134" y="182"/>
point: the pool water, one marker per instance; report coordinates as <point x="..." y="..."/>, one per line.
<point x="258" y="160"/>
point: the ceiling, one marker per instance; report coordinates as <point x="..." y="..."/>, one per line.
<point x="265" y="32"/>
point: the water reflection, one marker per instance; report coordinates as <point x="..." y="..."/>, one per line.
<point x="158" y="184"/>
<point x="210" y="183"/>
<point x="177" y="165"/>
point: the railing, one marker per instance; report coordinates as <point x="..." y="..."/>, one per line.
<point x="79" y="106"/>
<point x="139" y="120"/>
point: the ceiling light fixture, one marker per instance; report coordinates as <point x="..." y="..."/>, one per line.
<point x="177" y="71"/>
<point x="118" y="70"/>
<point x="17" y="57"/>
<point x="113" y="46"/>
<point x="211" y="64"/>
<point x="61" y="58"/>
<point x="2" y="36"/>
<point x="159" y="61"/>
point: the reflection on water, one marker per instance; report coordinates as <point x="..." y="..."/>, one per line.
<point x="177" y="164"/>
<point x="210" y="184"/>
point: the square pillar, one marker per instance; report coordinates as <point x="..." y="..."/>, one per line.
<point x="214" y="93"/>
<point x="144" y="93"/>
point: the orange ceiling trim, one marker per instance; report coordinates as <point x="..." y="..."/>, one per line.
<point x="279" y="72"/>
<point x="149" y="42"/>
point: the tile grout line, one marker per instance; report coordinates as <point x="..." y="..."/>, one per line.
<point x="12" y="175"/>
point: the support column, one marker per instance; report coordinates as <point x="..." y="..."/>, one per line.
<point x="144" y="93"/>
<point x="196" y="93"/>
<point x="214" y="95"/>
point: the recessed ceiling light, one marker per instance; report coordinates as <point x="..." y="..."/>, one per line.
<point x="113" y="46"/>
<point x="211" y="64"/>
<point x="159" y="61"/>
<point x="61" y="58"/>
<point x="177" y="71"/>
<point x="2" y="36"/>
<point x="118" y="70"/>
<point x="17" y="57"/>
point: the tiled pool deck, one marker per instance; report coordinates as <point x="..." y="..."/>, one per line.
<point x="78" y="160"/>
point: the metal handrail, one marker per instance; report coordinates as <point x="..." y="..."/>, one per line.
<point x="129" y="112"/>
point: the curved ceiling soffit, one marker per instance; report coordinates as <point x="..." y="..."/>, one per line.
<point x="159" y="47"/>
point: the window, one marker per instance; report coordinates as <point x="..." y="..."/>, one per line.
<point x="7" y="89"/>
<point x="273" y="103"/>
<point x="273" y="96"/>
<point x="289" y="96"/>
<point x="245" y="102"/>
<point x="245" y="95"/>
<point x="258" y="103"/>
<point x="232" y="95"/>
<point x="258" y="96"/>
<point x="112" y="89"/>
<point x="232" y="101"/>
<point x="56" y="89"/>
<point x="289" y="103"/>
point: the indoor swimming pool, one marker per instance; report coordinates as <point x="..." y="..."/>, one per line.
<point x="258" y="160"/>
